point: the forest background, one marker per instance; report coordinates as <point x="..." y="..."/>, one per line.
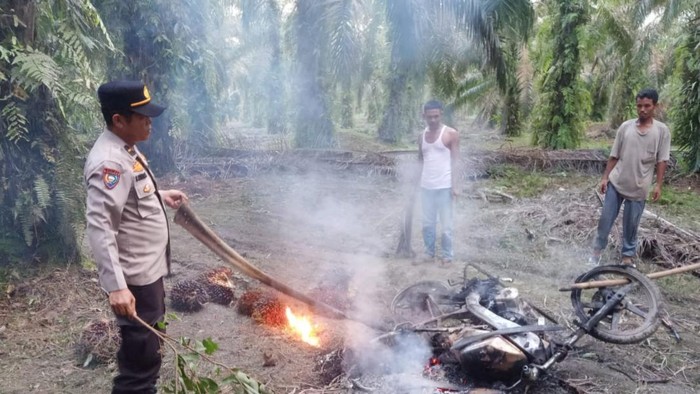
<point x="309" y="70"/>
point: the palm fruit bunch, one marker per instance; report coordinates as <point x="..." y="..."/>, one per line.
<point x="99" y="342"/>
<point x="247" y="301"/>
<point x="188" y="296"/>
<point x="270" y="311"/>
<point x="264" y="306"/>
<point x="219" y="286"/>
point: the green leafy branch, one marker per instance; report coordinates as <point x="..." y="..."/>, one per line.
<point x="188" y="380"/>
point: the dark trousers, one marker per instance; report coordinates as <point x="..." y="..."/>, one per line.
<point x="139" y="357"/>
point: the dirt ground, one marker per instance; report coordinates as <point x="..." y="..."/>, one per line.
<point x="309" y="227"/>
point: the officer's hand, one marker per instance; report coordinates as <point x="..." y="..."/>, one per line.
<point x="123" y="303"/>
<point x="173" y="198"/>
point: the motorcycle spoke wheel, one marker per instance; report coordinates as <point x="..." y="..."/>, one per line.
<point x="421" y="301"/>
<point x="631" y="321"/>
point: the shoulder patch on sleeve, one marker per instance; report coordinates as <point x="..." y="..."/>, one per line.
<point x="110" y="177"/>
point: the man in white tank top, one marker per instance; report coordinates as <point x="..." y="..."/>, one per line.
<point x="438" y="152"/>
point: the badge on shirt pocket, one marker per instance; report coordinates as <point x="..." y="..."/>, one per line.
<point x="147" y="202"/>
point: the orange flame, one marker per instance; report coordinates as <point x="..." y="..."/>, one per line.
<point x="302" y="326"/>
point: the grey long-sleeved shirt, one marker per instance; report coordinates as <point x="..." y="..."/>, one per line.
<point x="127" y="227"/>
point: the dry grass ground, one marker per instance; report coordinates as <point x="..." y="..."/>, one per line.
<point x="308" y="226"/>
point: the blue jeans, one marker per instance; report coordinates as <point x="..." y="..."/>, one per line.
<point x="630" y="221"/>
<point x="436" y="203"/>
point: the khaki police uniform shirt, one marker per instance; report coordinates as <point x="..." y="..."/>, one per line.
<point x="127" y="227"/>
<point x="638" y="154"/>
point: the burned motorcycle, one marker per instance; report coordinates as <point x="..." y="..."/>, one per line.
<point x="482" y="329"/>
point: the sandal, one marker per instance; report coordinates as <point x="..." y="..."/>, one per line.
<point x="628" y="261"/>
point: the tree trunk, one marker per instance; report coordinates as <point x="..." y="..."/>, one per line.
<point x="394" y="122"/>
<point x="686" y="106"/>
<point x="159" y="146"/>
<point x="558" y="122"/>
<point x="511" y="123"/>
<point x="314" y="128"/>
<point x="144" y="61"/>
<point x="621" y="96"/>
<point x="275" y="90"/>
<point x="347" y="110"/>
<point x="398" y="116"/>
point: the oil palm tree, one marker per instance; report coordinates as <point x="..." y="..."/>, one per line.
<point x="327" y="36"/>
<point x="313" y="127"/>
<point x="460" y="75"/>
<point x="173" y="47"/>
<point x="622" y="39"/>
<point x="563" y="102"/>
<point x="414" y="23"/>
<point x="685" y="114"/>
<point x="263" y="69"/>
<point x="48" y="75"/>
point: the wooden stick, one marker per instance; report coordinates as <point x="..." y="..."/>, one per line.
<point x="403" y="249"/>
<point x="186" y="218"/>
<point x="615" y="282"/>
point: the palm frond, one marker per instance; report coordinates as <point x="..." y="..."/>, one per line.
<point x="526" y="80"/>
<point x="343" y="17"/>
<point x="614" y="27"/>
<point x="685" y="112"/>
<point x="481" y="20"/>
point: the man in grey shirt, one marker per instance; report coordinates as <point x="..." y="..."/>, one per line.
<point x="641" y="145"/>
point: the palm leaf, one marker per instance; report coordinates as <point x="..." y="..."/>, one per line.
<point x="343" y="17"/>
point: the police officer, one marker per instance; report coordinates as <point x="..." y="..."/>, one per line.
<point x="128" y="229"/>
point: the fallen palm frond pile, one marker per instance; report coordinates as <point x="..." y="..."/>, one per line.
<point x="573" y="218"/>
<point x="249" y="159"/>
<point x="231" y="163"/>
<point x="477" y="164"/>
<point x="665" y="244"/>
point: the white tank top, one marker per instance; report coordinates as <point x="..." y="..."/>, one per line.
<point x="437" y="163"/>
